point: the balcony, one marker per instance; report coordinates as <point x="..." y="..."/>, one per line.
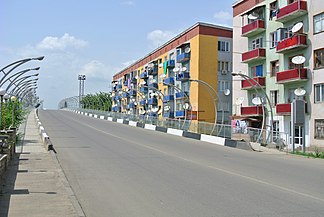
<point x="168" y="114"/>
<point x="116" y="98"/>
<point x="131" y="105"/>
<point x="143" y="89"/>
<point x="170" y="64"/>
<point x="168" y="81"/>
<point x="119" y="86"/>
<point x="181" y="95"/>
<point x="183" y="57"/>
<point x="291" y="75"/>
<point x="250" y="83"/>
<point x="183" y="76"/>
<point x="133" y="80"/>
<point x="283" y="109"/>
<point x="153" y="71"/>
<point x="292" y="11"/>
<point x="180" y="114"/>
<point x="125" y="95"/>
<point x="116" y="109"/>
<point x="154" y="85"/>
<point x="168" y="98"/>
<point x="254" y="55"/>
<point x="294" y="43"/>
<point x="143" y="75"/>
<point x="152" y="101"/>
<point x="251" y="111"/>
<point x="143" y="102"/>
<point x="126" y="83"/>
<point x="132" y="93"/>
<point x="253" y="28"/>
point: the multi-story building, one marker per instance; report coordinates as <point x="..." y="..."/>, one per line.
<point x="172" y="81"/>
<point x="280" y="44"/>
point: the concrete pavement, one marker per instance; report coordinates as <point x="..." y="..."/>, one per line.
<point x="34" y="184"/>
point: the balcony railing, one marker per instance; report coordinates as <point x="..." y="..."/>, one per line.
<point x="132" y="93"/>
<point x="143" y="89"/>
<point x="168" y="114"/>
<point x="126" y="83"/>
<point x="181" y="95"/>
<point x="283" y="109"/>
<point x="131" y="105"/>
<point x="168" y="81"/>
<point x="291" y="75"/>
<point x="142" y="102"/>
<point x="125" y="95"/>
<point x="253" y="28"/>
<point x="250" y="83"/>
<point x="168" y="98"/>
<point x="143" y="75"/>
<point x="152" y="101"/>
<point x="183" y="76"/>
<point x="293" y="43"/>
<point x="254" y="55"/>
<point x="180" y="114"/>
<point x="153" y="71"/>
<point x="116" y="109"/>
<point x="133" y="80"/>
<point x="119" y="86"/>
<point x="170" y="64"/>
<point x="292" y="11"/>
<point x="154" y="85"/>
<point x="183" y="57"/>
<point x="251" y="111"/>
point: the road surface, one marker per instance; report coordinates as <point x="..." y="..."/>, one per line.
<point x="119" y="170"/>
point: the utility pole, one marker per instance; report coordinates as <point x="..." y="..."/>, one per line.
<point x="81" y="79"/>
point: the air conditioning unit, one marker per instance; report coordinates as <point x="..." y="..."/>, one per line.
<point x="224" y="72"/>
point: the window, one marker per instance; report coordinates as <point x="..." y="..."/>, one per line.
<point x="290" y="1"/>
<point x="256" y="43"/>
<point x="319" y="93"/>
<point x="292" y="65"/>
<point x="273" y="9"/>
<point x="275" y="131"/>
<point x="319" y="129"/>
<point x="257" y="71"/>
<point x="319" y="58"/>
<point x="224" y="66"/>
<point x="223" y="85"/>
<point x="273" y="39"/>
<point x="273" y="97"/>
<point x="274" y="67"/>
<point x="319" y="23"/>
<point x="223" y="46"/>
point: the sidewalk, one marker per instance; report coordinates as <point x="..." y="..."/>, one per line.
<point x="34" y="183"/>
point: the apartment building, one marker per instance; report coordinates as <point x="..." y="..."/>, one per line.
<point x="178" y="78"/>
<point x="279" y="44"/>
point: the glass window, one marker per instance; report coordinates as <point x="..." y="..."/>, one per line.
<point x="223" y="46"/>
<point x="273" y="39"/>
<point x="274" y="97"/>
<point x="319" y="58"/>
<point x="319" y="93"/>
<point x="274" y="67"/>
<point x="319" y="23"/>
<point x="256" y="43"/>
<point x="319" y="129"/>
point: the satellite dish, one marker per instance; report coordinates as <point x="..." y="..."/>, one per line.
<point x="298" y="60"/>
<point x="186" y="106"/>
<point x="227" y="92"/>
<point x="161" y="65"/>
<point x="143" y="82"/>
<point x="155" y="109"/>
<point x="257" y="101"/>
<point x="160" y="112"/>
<point x="135" y="103"/>
<point x="136" y="77"/>
<point x="166" y="108"/>
<point x="239" y="100"/>
<point x="184" y="69"/>
<point x="163" y="76"/>
<point x="297" y="27"/>
<point x="300" y="92"/>
<point x="142" y="112"/>
<point x="177" y="69"/>
<point x="151" y="65"/>
<point x="153" y="80"/>
<point x="252" y="16"/>
<point x="187" y="50"/>
<point x="126" y="89"/>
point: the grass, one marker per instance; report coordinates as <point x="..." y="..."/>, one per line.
<point x="315" y="154"/>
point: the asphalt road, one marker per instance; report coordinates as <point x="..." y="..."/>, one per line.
<point x="119" y="170"/>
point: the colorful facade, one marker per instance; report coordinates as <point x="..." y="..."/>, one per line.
<point x="280" y="45"/>
<point x="165" y="83"/>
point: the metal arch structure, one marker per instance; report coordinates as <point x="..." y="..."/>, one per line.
<point x="18" y="74"/>
<point x="137" y="92"/>
<point x="161" y="95"/>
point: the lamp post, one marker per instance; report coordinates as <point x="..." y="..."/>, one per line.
<point x="18" y="63"/>
<point x="256" y="83"/>
<point x="13" y="101"/>
<point x="20" y="82"/>
<point x="18" y="74"/>
<point x="2" y="93"/>
<point x="81" y="79"/>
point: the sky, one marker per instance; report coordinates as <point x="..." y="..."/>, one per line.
<point x="97" y="38"/>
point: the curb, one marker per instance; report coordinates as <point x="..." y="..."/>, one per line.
<point x="202" y="137"/>
<point x="49" y="146"/>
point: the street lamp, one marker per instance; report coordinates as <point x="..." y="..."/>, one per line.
<point x="18" y="74"/>
<point x="2" y="93"/>
<point x="20" y="81"/>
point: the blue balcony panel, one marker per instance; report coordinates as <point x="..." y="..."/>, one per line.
<point x="132" y="93"/>
<point x="131" y="105"/>
<point x="180" y="114"/>
<point x="133" y="80"/>
<point x="183" y="57"/>
<point x="153" y="71"/>
<point x="152" y="101"/>
<point x="143" y="102"/>
<point x="168" y="81"/>
<point x="181" y="95"/>
<point x="126" y="83"/>
<point x="170" y="64"/>
<point x="119" y="86"/>
<point x="183" y="76"/>
<point x="143" y="89"/>
<point x="143" y="75"/>
<point x="125" y="95"/>
<point x="155" y="85"/>
<point x="153" y="114"/>
<point x="168" y="114"/>
<point x="168" y="98"/>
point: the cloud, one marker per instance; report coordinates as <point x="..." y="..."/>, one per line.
<point x="128" y="3"/>
<point x="55" y="43"/>
<point x="223" y="16"/>
<point x="159" y="37"/>
<point x="97" y="70"/>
